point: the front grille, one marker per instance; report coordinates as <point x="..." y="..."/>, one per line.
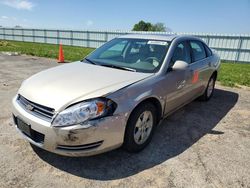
<point x="80" y="147"/>
<point x="36" y="109"/>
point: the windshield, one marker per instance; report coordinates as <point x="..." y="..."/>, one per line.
<point x="138" y="55"/>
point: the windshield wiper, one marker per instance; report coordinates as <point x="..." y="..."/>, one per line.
<point x="88" y="60"/>
<point x="108" y="65"/>
<point x="118" y="67"/>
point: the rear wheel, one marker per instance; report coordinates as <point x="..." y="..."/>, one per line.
<point x="210" y="89"/>
<point x="140" y="127"/>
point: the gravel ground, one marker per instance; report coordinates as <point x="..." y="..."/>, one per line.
<point x="201" y="145"/>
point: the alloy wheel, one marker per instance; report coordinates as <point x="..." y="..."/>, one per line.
<point x="143" y="127"/>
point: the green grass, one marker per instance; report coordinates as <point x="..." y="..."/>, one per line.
<point x="71" y="53"/>
<point x="231" y="74"/>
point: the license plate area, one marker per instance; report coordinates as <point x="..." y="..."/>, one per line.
<point x="24" y="127"/>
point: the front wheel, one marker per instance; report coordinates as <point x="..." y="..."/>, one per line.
<point x="140" y="127"/>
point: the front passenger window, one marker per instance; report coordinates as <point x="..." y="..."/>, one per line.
<point x="181" y="53"/>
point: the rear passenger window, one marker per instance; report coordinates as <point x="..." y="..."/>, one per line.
<point x="208" y="51"/>
<point x="198" y="50"/>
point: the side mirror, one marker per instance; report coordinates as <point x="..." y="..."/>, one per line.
<point x="180" y="65"/>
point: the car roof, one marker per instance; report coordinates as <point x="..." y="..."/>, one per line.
<point x="166" y="37"/>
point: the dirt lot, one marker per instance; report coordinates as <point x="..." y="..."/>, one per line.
<point x="201" y="145"/>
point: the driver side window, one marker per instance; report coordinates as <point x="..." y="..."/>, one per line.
<point x="181" y="53"/>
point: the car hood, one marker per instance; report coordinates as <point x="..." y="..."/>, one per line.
<point x="63" y="85"/>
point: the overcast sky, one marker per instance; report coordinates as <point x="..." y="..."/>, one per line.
<point x="211" y="16"/>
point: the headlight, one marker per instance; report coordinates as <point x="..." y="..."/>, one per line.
<point x="81" y="112"/>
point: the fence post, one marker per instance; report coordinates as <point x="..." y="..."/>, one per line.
<point x="238" y="49"/>
<point x="58" y="40"/>
<point x="33" y="34"/>
<point x="13" y="38"/>
<point x="45" y="35"/>
<point x="106" y="36"/>
<point x="23" y="35"/>
<point x="88" y="44"/>
<point x="4" y="34"/>
<point x="208" y="40"/>
<point x="71" y="37"/>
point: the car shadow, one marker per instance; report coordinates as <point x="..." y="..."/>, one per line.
<point x="172" y="137"/>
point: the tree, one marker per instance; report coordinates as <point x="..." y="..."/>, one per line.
<point x="147" y="26"/>
<point x="159" y="27"/>
<point x="142" y="26"/>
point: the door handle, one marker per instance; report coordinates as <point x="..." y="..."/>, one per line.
<point x="181" y="84"/>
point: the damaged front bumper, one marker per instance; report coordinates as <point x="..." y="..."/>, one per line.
<point x="101" y="135"/>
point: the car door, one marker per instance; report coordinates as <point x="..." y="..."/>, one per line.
<point x="178" y="82"/>
<point x="198" y="68"/>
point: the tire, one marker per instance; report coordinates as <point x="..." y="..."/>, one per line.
<point x="209" y="89"/>
<point x="140" y="127"/>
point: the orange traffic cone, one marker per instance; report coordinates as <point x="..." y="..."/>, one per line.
<point x="60" y="55"/>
